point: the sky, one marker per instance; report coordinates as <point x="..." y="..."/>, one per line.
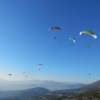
<point x="26" y="42"/>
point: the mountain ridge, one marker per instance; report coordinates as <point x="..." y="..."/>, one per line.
<point x="51" y="85"/>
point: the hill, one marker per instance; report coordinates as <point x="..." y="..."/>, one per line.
<point x="89" y="95"/>
<point x="24" y="93"/>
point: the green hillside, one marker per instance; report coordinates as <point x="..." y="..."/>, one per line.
<point x="89" y="95"/>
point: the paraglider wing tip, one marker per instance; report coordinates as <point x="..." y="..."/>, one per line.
<point x="74" y="40"/>
<point x="80" y="33"/>
<point x="49" y="29"/>
<point x="95" y="36"/>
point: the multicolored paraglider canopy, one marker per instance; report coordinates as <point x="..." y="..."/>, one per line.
<point x="39" y="64"/>
<point x="89" y="33"/>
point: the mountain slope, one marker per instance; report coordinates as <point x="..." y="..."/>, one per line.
<point x="89" y="95"/>
<point x="94" y="85"/>
<point x="68" y="92"/>
<point x="24" y="93"/>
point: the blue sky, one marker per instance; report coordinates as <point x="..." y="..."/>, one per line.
<point x="25" y="41"/>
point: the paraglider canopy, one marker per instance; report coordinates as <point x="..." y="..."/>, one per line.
<point x="89" y="33"/>
<point x="10" y="74"/>
<point x="39" y="64"/>
<point x="72" y="39"/>
<point x="54" y="28"/>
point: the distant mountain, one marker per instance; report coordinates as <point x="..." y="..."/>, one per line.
<point x="51" y="85"/>
<point x="24" y="93"/>
<point x="94" y="85"/>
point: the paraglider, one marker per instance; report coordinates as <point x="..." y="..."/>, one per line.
<point x="26" y="77"/>
<point x="89" y="75"/>
<point x="89" y="33"/>
<point x="23" y="73"/>
<point x="72" y="40"/>
<point x="54" y="28"/>
<point x="88" y="45"/>
<point x="39" y="65"/>
<point x="10" y="75"/>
